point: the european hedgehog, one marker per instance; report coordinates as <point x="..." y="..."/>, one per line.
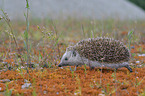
<point x="97" y="52"/>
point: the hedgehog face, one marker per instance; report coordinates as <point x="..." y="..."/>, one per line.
<point x="70" y="58"/>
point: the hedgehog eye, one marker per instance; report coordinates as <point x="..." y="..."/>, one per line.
<point x="66" y="58"/>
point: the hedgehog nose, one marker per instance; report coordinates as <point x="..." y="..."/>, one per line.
<point x="59" y="65"/>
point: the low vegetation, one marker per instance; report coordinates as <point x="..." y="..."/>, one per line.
<point x="30" y="52"/>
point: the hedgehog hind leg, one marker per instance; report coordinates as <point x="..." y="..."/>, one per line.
<point x="91" y="67"/>
<point x="129" y="68"/>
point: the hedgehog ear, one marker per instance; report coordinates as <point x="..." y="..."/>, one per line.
<point x="67" y="49"/>
<point x="74" y="53"/>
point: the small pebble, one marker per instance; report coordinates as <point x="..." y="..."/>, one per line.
<point x="26" y="81"/>
<point x="137" y="62"/>
<point x="44" y="92"/>
<point x="26" y="85"/>
<point x="61" y="67"/>
<point x="75" y="93"/>
<point x="4" y="80"/>
<point x="101" y="95"/>
<point x="141" y="54"/>
<point x="57" y="93"/>
<point x="5" y="62"/>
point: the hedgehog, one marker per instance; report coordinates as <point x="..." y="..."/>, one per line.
<point x="97" y="52"/>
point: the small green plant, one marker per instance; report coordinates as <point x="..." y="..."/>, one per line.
<point x="98" y="85"/>
<point x="138" y="83"/>
<point x="40" y="57"/>
<point x="49" y="64"/>
<point x="79" y="91"/>
<point x="26" y="33"/>
<point x="143" y="93"/>
<point x="85" y="69"/>
<point x="115" y="81"/>
<point x="34" y="92"/>
<point x="65" y="90"/>
<point x="56" y="38"/>
<point x="108" y="90"/>
<point x="130" y="34"/>
<point x="8" y="92"/>
<point x="72" y="72"/>
<point x="91" y="85"/>
<point x="11" y="33"/>
<point x="83" y="33"/>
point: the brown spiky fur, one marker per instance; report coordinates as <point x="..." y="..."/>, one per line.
<point x="102" y="49"/>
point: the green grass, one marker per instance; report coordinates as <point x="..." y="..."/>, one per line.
<point x="70" y="29"/>
<point x="26" y="33"/>
<point x="55" y="32"/>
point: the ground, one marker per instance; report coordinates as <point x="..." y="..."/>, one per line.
<point x="48" y="41"/>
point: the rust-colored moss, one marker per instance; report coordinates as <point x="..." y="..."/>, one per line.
<point x="64" y="82"/>
<point x="2" y="87"/>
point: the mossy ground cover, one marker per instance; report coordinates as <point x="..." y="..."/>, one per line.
<point x="48" y="40"/>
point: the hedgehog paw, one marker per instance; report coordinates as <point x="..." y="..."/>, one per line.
<point x="91" y="68"/>
<point x="116" y="69"/>
<point x="129" y="68"/>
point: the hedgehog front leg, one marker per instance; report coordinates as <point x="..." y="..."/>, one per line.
<point x="91" y="67"/>
<point x="75" y="68"/>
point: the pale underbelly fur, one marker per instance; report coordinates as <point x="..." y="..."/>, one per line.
<point x="103" y="64"/>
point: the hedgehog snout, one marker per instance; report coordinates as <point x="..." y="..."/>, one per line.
<point x="59" y="65"/>
<point x="63" y="64"/>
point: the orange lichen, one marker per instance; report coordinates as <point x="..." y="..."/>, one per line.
<point x="2" y="87"/>
<point x="66" y="83"/>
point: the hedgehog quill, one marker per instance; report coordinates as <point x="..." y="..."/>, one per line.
<point x="97" y="52"/>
